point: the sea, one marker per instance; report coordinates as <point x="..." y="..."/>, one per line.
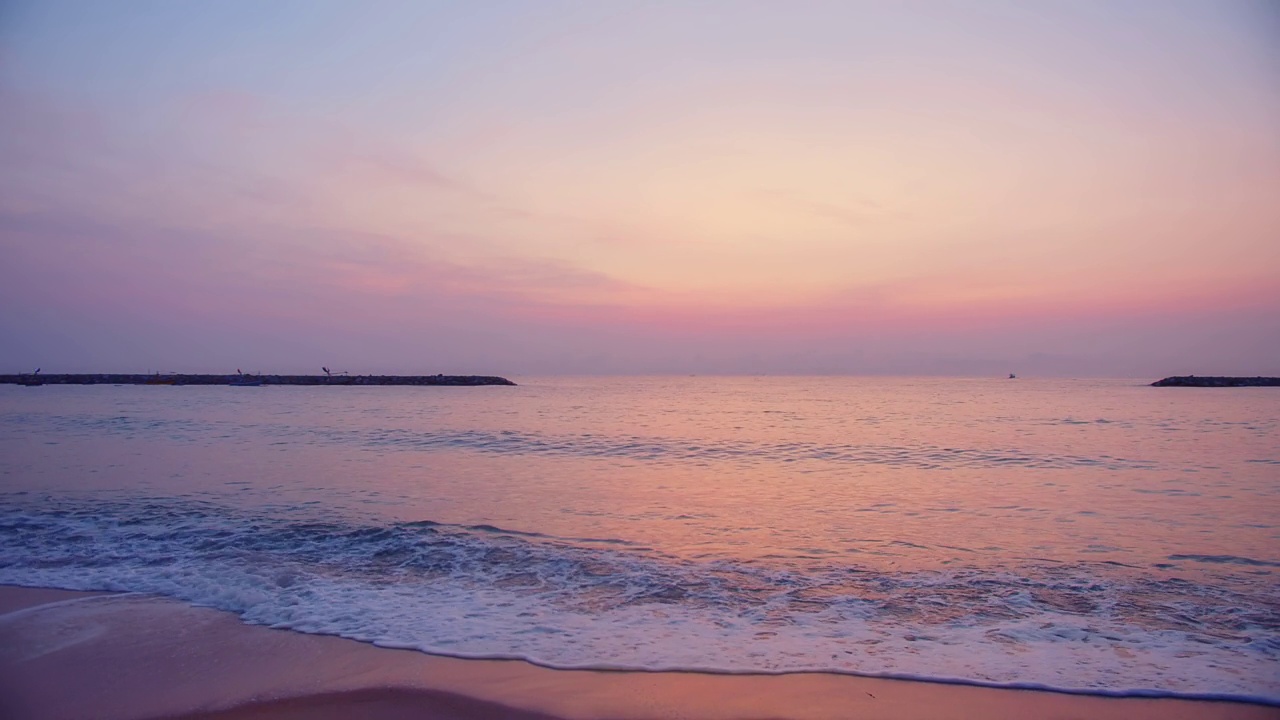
<point x="1093" y="536"/>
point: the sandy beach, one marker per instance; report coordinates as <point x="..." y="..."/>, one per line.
<point x="130" y="657"/>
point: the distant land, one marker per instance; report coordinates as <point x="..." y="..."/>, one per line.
<point x="1209" y="381"/>
<point x="30" y="379"/>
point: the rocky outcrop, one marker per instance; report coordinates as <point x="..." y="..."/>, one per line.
<point x="1197" y="381"/>
<point x="175" y="379"/>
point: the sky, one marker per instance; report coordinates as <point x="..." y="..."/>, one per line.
<point x="1074" y="188"/>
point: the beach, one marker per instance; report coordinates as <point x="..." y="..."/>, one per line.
<point x="122" y="657"/>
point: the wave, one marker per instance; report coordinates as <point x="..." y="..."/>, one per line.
<point x="1227" y="559"/>
<point x="485" y="591"/>
<point x="627" y="447"/>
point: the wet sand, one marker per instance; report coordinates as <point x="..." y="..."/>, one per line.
<point x="125" y="657"/>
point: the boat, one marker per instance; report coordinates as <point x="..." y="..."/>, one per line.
<point x="1012" y="376"/>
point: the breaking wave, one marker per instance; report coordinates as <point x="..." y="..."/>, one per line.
<point x="485" y="591"/>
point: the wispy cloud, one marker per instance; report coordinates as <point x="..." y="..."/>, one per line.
<point x="748" y="192"/>
<point x="855" y="212"/>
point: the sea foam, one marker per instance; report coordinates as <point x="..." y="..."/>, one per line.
<point x="481" y="591"/>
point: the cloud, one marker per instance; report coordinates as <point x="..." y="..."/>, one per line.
<point x="251" y="233"/>
<point x="855" y="212"/>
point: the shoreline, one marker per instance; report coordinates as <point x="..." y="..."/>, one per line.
<point x="107" y="656"/>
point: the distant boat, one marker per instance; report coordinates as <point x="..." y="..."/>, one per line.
<point x="1012" y="376"/>
<point x="246" y="381"/>
<point x="30" y="381"/>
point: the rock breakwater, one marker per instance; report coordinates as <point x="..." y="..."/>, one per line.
<point x="1210" y="381"/>
<point x="249" y="380"/>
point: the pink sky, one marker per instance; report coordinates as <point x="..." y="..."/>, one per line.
<point x="1062" y="188"/>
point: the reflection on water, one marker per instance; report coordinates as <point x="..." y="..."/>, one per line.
<point x="789" y="523"/>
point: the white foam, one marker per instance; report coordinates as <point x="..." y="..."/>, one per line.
<point x="1064" y="652"/>
<point x="477" y="593"/>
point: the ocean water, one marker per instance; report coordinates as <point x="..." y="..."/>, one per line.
<point x="1087" y="535"/>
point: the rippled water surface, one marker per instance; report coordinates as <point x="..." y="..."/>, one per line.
<point x="1089" y="535"/>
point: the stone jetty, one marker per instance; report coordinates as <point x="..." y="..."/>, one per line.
<point x="1210" y="381"/>
<point x="181" y="379"/>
